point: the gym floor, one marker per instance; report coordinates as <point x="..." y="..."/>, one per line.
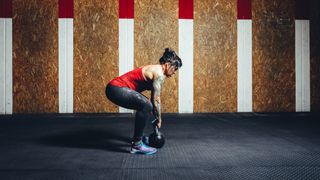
<point x="198" y="146"/>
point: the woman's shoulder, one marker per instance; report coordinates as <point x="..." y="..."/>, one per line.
<point x="151" y="71"/>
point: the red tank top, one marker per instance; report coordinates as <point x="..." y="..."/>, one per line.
<point x="134" y="80"/>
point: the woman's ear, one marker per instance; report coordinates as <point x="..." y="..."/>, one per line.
<point x="166" y="65"/>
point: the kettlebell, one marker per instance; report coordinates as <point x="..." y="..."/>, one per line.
<point x="156" y="139"/>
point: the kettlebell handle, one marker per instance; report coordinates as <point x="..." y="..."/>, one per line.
<point x="155" y="127"/>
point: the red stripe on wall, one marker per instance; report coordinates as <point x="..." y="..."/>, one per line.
<point x="244" y="9"/>
<point x="126" y="9"/>
<point x="185" y="9"/>
<point x="302" y="9"/>
<point x="65" y="8"/>
<point x="5" y="8"/>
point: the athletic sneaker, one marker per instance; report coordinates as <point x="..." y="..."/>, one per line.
<point x="145" y="140"/>
<point x="141" y="148"/>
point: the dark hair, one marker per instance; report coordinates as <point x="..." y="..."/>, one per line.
<point x="170" y="56"/>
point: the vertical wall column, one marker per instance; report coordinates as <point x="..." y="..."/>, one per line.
<point x="186" y="54"/>
<point x="66" y="56"/>
<point x="126" y="39"/>
<point x="6" y="57"/>
<point x="302" y="55"/>
<point x="244" y="52"/>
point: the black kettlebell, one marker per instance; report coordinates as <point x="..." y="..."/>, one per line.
<point x="156" y="139"/>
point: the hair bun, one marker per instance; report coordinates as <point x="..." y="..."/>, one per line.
<point x="170" y="56"/>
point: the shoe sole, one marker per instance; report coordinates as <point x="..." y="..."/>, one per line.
<point x="133" y="151"/>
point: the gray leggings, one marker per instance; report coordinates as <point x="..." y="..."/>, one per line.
<point x="130" y="99"/>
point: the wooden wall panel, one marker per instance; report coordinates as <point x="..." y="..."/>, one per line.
<point x="35" y="56"/>
<point x="215" y="51"/>
<point x="95" y="53"/>
<point x="35" y="53"/>
<point x="273" y="55"/>
<point x="156" y="27"/>
<point x="315" y="54"/>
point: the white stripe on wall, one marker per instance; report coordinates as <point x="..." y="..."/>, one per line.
<point x="65" y="65"/>
<point x="244" y="43"/>
<point x="5" y="66"/>
<point x="186" y="72"/>
<point x="126" y="50"/>
<point x="302" y="58"/>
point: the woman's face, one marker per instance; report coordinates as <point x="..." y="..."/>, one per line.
<point x="170" y="70"/>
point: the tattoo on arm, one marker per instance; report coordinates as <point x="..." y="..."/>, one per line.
<point x="157" y="84"/>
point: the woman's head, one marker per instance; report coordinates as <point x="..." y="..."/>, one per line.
<point x="171" y="61"/>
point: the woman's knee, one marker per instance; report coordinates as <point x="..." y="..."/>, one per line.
<point x="147" y="107"/>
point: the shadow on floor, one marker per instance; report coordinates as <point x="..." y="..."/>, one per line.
<point x="105" y="139"/>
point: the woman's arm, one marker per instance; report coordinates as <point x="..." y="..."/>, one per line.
<point x="155" y="97"/>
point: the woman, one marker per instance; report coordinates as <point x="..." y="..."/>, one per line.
<point x="126" y="91"/>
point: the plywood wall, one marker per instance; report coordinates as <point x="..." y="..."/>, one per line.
<point x="95" y="53"/>
<point x="215" y="67"/>
<point x="35" y="56"/>
<point x="273" y="55"/>
<point x="156" y="27"/>
<point x="35" y="53"/>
